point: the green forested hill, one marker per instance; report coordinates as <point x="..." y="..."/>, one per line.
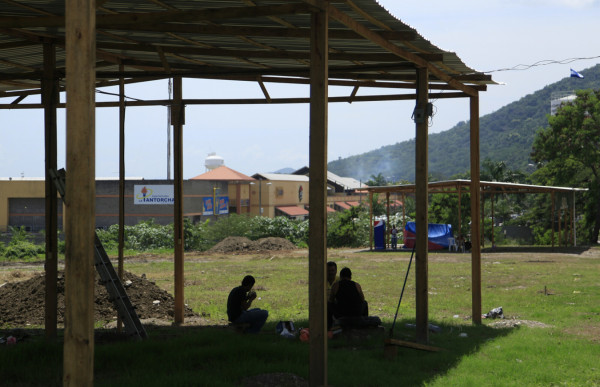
<point x="505" y="135"/>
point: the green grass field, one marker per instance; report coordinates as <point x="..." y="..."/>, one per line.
<point x="552" y="299"/>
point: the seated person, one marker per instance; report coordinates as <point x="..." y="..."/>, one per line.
<point x="347" y="298"/>
<point x="239" y="300"/>
<point x="332" y="278"/>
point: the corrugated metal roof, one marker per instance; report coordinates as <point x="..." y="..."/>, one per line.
<point x="199" y="38"/>
<point x="280" y="177"/>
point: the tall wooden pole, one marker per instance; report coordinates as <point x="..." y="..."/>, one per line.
<point x="459" y="212"/>
<point x="475" y="206"/>
<point x="78" y="355"/>
<point x="178" y="120"/>
<point x="317" y="234"/>
<point x="371" y="222"/>
<point x="387" y="234"/>
<point x="422" y="204"/>
<point x="50" y="99"/>
<point x="121" y="181"/>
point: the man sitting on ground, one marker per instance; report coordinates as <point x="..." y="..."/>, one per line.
<point x="347" y="297"/>
<point x="239" y="300"/>
<point x="332" y="278"/>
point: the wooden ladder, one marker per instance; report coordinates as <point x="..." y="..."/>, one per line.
<point x="108" y="275"/>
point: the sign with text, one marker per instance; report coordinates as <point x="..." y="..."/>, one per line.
<point x="153" y="194"/>
<point x="222" y="208"/>
<point x="223" y="205"/>
<point x="207" y="206"/>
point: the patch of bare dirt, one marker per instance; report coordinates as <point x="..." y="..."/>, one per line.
<point x="22" y="303"/>
<point x="515" y="323"/>
<point x="244" y="245"/>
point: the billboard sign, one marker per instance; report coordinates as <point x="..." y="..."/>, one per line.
<point x="153" y="194"/>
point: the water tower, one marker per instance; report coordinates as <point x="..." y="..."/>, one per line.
<point x="213" y="161"/>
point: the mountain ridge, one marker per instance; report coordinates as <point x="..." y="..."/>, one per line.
<point x="505" y="135"/>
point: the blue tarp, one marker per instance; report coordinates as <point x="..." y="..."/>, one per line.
<point x="439" y="235"/>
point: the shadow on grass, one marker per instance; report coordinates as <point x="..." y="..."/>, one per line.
<point x="219" y="356"/>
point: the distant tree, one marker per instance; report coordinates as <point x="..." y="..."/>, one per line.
<point x="568" y="153"/>
<point x="377" y="181"/>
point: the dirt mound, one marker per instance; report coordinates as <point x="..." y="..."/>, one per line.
<point x="243" y="244"/>
<point x="22" y="303"/>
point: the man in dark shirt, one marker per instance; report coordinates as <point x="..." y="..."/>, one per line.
<point x="347" y="297"/>
<point x="239" y="300"/>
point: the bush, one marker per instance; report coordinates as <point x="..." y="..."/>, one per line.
<point x="22" y="250"/>
<point x="349" y="228"/>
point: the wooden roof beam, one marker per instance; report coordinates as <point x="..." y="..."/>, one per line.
<point x="375" y="57"/>
<point x="211" y="14"/>
<point x="376" y="38"/>
<point x="214" y="29"/>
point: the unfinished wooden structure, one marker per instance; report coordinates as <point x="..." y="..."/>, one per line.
<point x="491" y="188"/>
<point x="76" y="46"/>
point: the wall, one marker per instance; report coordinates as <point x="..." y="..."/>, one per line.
<point x="27" y="198"/>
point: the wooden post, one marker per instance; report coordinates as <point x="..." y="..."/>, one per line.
<point x="574" y="220"/>
<point x="388" y="225"/>
<point x="553" y="198"/>
<point x="178" y="120"/>
<point x="80" y="212"/>
<point x="459" y="206"/>
<point x="475" y="206"/>
<point x="121" y="182"/>
<point x="371" y="223"/>
<point x="560" y="237"/>
<point x="492" y="209"/>
<point x="317" y="234"/>
<point x="50" y="99"/>
<point x="422" y="204"/>
<point x="404" y="215"/>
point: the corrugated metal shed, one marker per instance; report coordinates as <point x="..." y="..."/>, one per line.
<point x="233" y="39"/>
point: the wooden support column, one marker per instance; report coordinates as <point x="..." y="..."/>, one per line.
<point x="121" y="182"/>
<point x="388" y="225"/>
<point x="371" y="224"/>
<point x="574" y="220"/>
<point x="492" y="209"/>
<point x="553" y="198"/>
<point x="178" y="120"/>
<point x="459" y="209"/>
<point x="50" y="100"/>
<point x="80" y="212"/>
<point x="404" y="215"/>
<point x="317" y="234"/>
<point x="422" y="204"/>
<point x="475" y="206"/>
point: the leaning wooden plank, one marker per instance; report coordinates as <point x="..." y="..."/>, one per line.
<point x="410" y="344"/>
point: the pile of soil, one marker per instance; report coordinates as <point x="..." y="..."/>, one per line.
<point x="22" y="303"/>
<point x="245" y="245"/>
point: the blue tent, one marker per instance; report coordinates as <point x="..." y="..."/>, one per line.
<point x="439" y="235"/>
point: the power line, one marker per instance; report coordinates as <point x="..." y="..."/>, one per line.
<point x="545" y="62"/>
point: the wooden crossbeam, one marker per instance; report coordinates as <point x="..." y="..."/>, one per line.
<point x="211" y="14"/>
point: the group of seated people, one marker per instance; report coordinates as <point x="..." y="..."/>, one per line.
<point x="345" y="300"/>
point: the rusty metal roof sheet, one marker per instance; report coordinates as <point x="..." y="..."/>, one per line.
<point x="221" y="39"/>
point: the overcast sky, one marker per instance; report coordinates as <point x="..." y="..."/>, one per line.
<point x="487" y="35"/>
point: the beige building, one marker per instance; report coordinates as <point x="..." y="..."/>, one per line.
<point x="278" y="194"/>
